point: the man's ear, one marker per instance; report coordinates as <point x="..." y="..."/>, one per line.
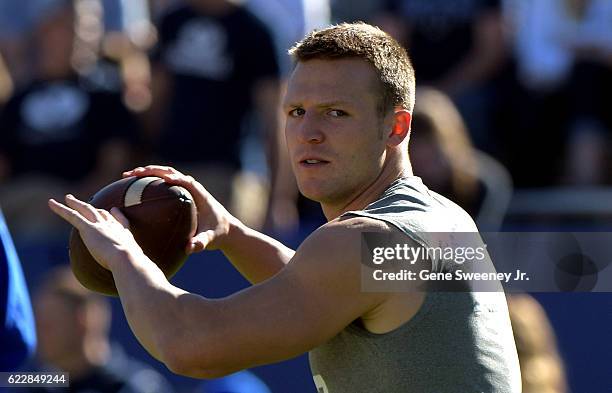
<point x="400" y="128"/>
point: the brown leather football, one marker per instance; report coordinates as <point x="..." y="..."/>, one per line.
<point x="162" y="218"/>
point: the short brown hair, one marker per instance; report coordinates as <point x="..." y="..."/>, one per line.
<point x="361" y="40"/>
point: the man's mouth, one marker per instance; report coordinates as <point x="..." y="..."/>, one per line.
<point x="309" y="162"/>
<point x="313" y="161"/>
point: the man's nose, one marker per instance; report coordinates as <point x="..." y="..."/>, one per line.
<point x="310" y="130"/>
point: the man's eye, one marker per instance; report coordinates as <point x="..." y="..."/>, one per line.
<point x="297" y="112"/>
<point x="337" y="113"/>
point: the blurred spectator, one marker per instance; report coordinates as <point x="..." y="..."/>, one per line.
<point x="17" y="332"/>
<point x="214" y="67"/>
<point x="354" y="11"/>
<point x="288" y="21"/>
<point x="130" y="18"/>
<point x="16" y="19"/>
<point x="114" y="37"/>
<point x="6" y="83"/>
<point x="160" y="7"/>
<point x="240" y="382"/>
<point x="541" y="367"/>
<point x="59" y="132"/>
<point x="564" y="65"/>
<point x="442" y="154"/>
<point x="457" y="47"/>
<point x="73" y="327"/>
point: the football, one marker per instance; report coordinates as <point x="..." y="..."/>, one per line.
<point x="162" y="217"/>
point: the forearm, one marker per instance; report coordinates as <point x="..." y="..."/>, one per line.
<point x="256" y="256"/>
<point x="182" y="330"/>
<point x="149" y="301"/>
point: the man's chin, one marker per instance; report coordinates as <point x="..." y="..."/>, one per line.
<point x="312" y="196"/>
<point x="318" y="196"/>
<point x="324" y="191"/>
<point x="312" y="192"/>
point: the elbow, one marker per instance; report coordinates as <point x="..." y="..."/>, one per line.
<point x="189" y="361"/>
<point x="196" y="372"/>
<point x="195" y="347"/>
<point x="181" y="360"/>
<point x="183" y="366"/>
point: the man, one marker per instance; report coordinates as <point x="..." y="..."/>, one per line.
<point x="348" y="108"/>
<point x="73" y="326"/>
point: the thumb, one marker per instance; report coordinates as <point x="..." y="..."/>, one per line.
<point x="199" y="242"/>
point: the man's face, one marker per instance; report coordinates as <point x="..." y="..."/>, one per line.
<point x="334" y="132"/>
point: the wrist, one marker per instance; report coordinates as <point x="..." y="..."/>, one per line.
<point x="126" y="257"/>
<point x="231" y="231"/>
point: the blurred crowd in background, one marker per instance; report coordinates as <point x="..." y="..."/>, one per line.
<point x="512" y="96"/>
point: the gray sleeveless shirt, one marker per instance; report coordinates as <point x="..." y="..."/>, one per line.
<point x="458" y="342"/>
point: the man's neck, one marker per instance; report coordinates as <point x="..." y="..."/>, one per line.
<point x="391" y="172"/>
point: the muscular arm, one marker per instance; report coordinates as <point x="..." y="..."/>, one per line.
<point x="304" y="305"/>
<point x="159" y="313"/>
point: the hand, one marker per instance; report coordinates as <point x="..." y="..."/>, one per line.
<point x="106" y="234"/>
<point x="214" y="220"/>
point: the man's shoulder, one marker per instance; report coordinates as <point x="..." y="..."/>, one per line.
<point x="350" y="226"/>
<point x="343" y="236"/>
<point x="411" y="206"/>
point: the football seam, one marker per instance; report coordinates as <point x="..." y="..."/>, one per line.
<point x="124" y="194"/>
<point x="135" y="191"/>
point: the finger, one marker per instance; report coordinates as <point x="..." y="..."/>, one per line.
<point x="168" y="174"/>
<point x="199" y="242"/>
<point x="73" y="217"/>
<point x="131" y="172"/>
<point x="179" y="179"/>
<point x="171" y="176"/>
<point x="104" y="213"/>
<point x="119" y="216"/>
<point x="150" y="170"/>
<point x="193" y="248"/>
<point x="84" y="208"/>
<point x="196" y="247"/>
